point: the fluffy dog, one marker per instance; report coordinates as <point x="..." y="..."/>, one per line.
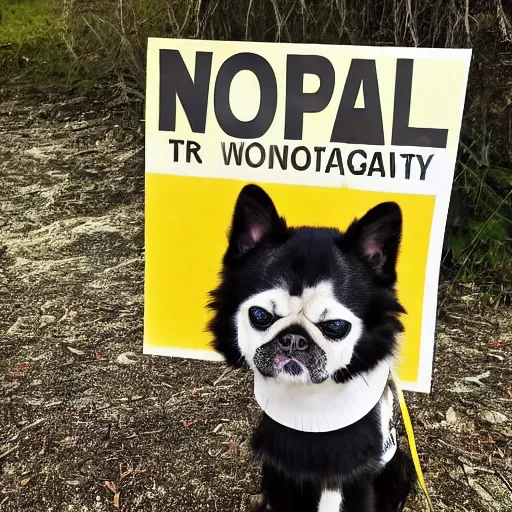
<point x="310" y="308"/>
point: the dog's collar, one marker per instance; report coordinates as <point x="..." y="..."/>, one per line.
<point x="321" y="407"/>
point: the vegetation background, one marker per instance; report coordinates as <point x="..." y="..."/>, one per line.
<point x="83" y="42"/>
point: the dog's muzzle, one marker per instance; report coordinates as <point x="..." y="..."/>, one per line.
<point x="292" y="352"/>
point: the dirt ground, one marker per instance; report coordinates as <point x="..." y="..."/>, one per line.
<point x="89" y="424"/>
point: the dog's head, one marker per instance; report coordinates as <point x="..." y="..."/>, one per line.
<point x="303" y="304"/>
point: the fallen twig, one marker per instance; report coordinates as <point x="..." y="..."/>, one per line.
<point x="8" y="451"/>
<point x="505" y="481"/>
<point x="28" y="427"/>
<point x="222" y="376"/>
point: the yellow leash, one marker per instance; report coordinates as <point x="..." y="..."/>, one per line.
<point x="412" y="442"/>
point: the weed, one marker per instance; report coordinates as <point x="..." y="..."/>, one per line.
<point x="480" y="241"/>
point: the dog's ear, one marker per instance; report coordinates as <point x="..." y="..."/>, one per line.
<point x="375" y="238"/>
<point x="254" y="219"/>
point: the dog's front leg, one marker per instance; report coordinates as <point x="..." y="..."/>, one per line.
<point x="286" y="494"/>
<point x="330" y="501"/>
<point x="360" y="496"/>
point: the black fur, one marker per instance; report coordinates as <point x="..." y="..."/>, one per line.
<point x="298" y="465"/>
<point x="361" y="264"/>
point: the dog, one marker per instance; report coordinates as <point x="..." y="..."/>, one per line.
<point x="308" y="308"/>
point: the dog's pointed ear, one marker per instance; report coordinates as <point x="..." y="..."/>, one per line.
<point x="375" y="238"/>
<point x="254" y="219"/>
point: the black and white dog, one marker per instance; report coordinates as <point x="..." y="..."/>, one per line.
<point x="309" y="307"/>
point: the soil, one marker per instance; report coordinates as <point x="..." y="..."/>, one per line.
<point x="90" y="424"/>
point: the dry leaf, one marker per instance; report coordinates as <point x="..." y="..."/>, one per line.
<point x="111" y="486"/>
<point x="19" y="368"/>
<point x="124" y="358"/>
<point x="26" y="480"/>
<point x="76" y="351"/>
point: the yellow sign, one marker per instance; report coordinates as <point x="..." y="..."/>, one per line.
<point x="328" y="131"/>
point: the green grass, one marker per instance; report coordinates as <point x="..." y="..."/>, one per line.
<point x="30" y="22"/>
<point x="30" y="35"/>
<point x="34" y="43"/>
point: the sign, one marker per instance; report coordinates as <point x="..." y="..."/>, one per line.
<point x="328" y="132"/>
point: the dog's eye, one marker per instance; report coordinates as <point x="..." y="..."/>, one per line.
<point x="260" y="318"/>
<point x="335" y="329"/>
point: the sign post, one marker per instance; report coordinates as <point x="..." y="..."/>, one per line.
<point x="329" y="131"/>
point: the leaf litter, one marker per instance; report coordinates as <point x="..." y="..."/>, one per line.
<point x="89" y="423"/>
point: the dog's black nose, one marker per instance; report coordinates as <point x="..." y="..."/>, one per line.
<point x="291" y="342"/>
